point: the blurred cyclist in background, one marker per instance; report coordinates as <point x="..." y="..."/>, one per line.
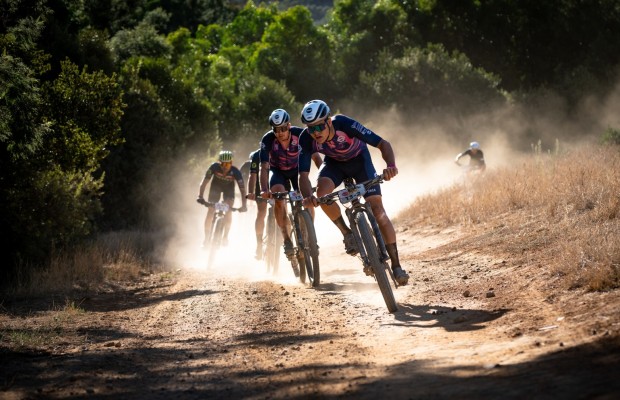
<point x="344" y="141"/>
<point x="476" y="157"/>
<point x="253" y="194"/>
<point x="224" y="175"/>
<point x="279" y="158"/>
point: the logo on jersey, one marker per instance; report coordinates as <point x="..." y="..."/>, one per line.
<point x="361" y="129"/>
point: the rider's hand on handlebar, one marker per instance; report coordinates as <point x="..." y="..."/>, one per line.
<point x="390" y="172"/>
<point x="310" y="202"/>
<point x="265" y="194"/>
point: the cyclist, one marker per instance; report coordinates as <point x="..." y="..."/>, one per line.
<point x="253" y="193"/>
<point x="343" y="142"/>
<point x="224" y="175"/>
<point x="476" y="157"/>
<point x="279" y="157"/>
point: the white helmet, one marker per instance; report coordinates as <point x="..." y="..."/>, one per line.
<point x="314" y="112"/>
<point x="474" y="145"/>
<point x="278" y="118"/>
<point x="225" y="156"/>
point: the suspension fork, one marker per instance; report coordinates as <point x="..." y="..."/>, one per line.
<point x="296" y="212"/>
<point x="352" y="214"/>
<point x="375" y="227"/>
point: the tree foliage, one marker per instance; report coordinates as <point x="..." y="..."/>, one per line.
<point x="99" y="98"/>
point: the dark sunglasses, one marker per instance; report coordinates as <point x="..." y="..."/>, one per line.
<point x="316" y="128"/>
<point x="279" y="129"/>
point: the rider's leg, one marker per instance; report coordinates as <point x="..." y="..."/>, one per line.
<point x="280" y="212"/>
<point x="389" y="237"/>
<point x="325" y="186"/>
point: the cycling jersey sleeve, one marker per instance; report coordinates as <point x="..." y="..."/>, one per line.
<point x="237" y="174"/>
<point x="265" y="146"/>
<point x="355" y="129"/>
<point x="211" y="171"/>
<point x="255" y="162"/>
<point x="305" y="156"/>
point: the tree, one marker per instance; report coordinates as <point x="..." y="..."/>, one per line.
<point x="295" y="51"/>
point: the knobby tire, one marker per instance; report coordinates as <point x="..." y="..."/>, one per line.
<point x="298" y="260"/>
<point x="310" y="249"/>
<point x="272" y="244"/>
<point x="216" y="239"/>
<point x="378" y="267"/>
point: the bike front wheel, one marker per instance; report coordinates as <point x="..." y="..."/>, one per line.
<point x="216" y="239"/>
<point x="273" y="242"/>
<point x="379" y="268"/>
<point x="309" y="248"/>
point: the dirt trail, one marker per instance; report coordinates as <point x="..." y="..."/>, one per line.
<point x="469" y="326"/>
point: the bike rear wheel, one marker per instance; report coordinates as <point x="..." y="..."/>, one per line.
<point x="310" y="248"/>
<point x="378" y="267"/>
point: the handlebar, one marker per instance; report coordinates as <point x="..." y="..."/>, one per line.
<point x="330" y="198"/>
<point x="210" y="204"/>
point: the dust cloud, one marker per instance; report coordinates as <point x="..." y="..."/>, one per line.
<point x="425" y="150"/>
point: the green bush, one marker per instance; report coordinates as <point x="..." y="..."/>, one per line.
<point x="611" y="136"/>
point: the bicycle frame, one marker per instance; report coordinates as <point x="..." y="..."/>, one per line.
<point x="371" y="246"/>
<point x="306" y="252"/>
<point x="217" y="226"/>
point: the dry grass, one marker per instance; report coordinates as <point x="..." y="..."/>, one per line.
<point x="563" y="210"/>
<point x="111" y="257"/>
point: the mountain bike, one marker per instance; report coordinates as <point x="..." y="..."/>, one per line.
<point x="216" y="233"/>
<point x="303" y="238"/>
<point x="367" y="235"/>
<point x="272" y="241"/>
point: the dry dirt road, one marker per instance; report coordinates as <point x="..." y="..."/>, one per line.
<point x="469" y="326"/>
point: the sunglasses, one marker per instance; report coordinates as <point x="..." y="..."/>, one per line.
<point x="279" y="129"/>
<point x="316" y="128"/>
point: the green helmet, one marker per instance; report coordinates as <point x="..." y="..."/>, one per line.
<point x="226" y="156"/>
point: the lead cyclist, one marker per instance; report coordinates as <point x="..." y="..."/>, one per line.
<point x="343" y="141"/>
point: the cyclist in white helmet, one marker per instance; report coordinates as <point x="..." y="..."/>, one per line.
<point x="476" y="157"/>
<point x="279" y="159"/>
<point x="224" y="175"/>
<point x="343" y="141"/>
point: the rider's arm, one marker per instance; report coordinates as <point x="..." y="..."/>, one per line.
<point x="244" y="200"/>
<point x="239" y="178"/>
<point x="264" y="177"/>
<point x="316" y="157"/>
<point x="251" y="185"/>
<point x="387" y="153"/>
<point x="304" y="184"/>
<point x="458" y="157"/>
<point x="205" y="181"/>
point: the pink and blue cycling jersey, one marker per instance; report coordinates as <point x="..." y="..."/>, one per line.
<point x="281" y="158"/>
<point x="350" y="140"/>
